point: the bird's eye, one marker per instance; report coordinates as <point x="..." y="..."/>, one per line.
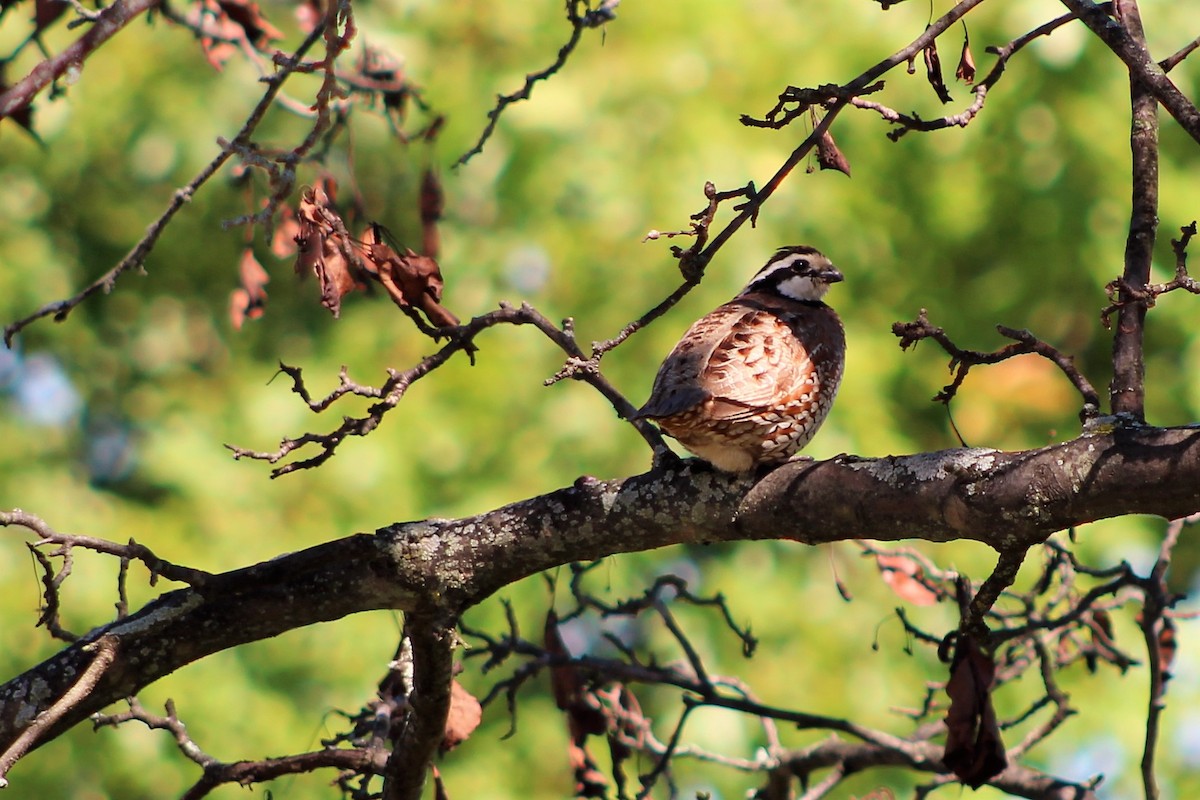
<point x="801" y="264"/>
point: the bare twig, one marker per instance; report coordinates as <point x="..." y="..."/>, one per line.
<point x="107" y="23"/>
<point x="961" y="361"/>
<point x="393" y="390"/>
<point x="913" y="122"/>
<point x="132" y="550"/>
<point x="581" y="16"/>
<point x="243" y="773"/>
<point x="1122" y="293"/>
<point x="105" y="649"/>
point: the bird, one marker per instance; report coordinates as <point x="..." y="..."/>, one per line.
<point x="750" y="382"/>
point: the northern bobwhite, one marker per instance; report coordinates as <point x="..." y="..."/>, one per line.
<point x="750" y="382"/>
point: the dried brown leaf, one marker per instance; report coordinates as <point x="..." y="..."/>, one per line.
<point x="830" y="157"/>
<point x="463" y="718"/>
<point x="1167" y="644"/>
<point x="974" y="749"/>
<point x="283" y="242"/>
<point x="965" y="71"/>
<point x="324" y="248"/>
<point x="411" y="280"/>
<point x="570" y="690"/>
<point x="933" y="72"/>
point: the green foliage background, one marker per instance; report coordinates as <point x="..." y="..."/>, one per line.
<point x="1019" y="220"/>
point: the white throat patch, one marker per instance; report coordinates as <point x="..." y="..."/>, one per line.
<point x="798" y="288"/>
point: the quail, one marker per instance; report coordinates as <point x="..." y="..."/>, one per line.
<point x="750" y="382"/>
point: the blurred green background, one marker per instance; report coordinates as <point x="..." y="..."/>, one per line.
<point x="113" y="422"/>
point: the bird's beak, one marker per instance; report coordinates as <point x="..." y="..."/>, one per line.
<point x="832" y="275"/>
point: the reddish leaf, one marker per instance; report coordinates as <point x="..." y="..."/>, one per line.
<point x="830" y="157"/>
<point x="974" y="749"/>
<point x="283" y="242"/>
<point x="463" y="718"/>
<point x="250" y="299"/>
<point x="933" y="72"/>
<point x="904" y="575"/>
<point x="965" y="71"/>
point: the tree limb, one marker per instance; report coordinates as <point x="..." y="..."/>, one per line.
<point x="1004" y="499"/>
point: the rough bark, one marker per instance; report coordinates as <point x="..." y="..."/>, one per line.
<point x="1008" y="500"/>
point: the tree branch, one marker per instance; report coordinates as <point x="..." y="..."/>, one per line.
<point x="1006" y="500"/>
<point x="1127" y="392"/>
<point x="425" y="726"/>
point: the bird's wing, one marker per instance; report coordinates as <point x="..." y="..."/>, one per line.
<point x="739" y="357"/>
<point x="760" y="361"/>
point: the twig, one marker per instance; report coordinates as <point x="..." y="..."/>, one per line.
<point x="695" y="259"/>
<point x="244" y="773"/>
<point x="913" y="122"/>
<point x="132" y="550"/>
<point x="398" y="383"/>
<point x="1157" y="600"/>
<point x="108" y="22"/>
<point x="580" y="20"/>
<point x="962" y="360"/>
<point x="1122" y="293"/>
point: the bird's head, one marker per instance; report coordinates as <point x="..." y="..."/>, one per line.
<point x="797" y="272"/>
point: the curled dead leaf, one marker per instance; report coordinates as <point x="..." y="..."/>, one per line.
<point x="463" y="718"/>
<point x="965" y="71"/>
<point x="974" y="750"/>
<point x="933" y="72"/>
<point x="248" y="16"/>
<point x="411" y="280"/>
<point x="830" y="157"/>
<point x="324" y="247"/>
